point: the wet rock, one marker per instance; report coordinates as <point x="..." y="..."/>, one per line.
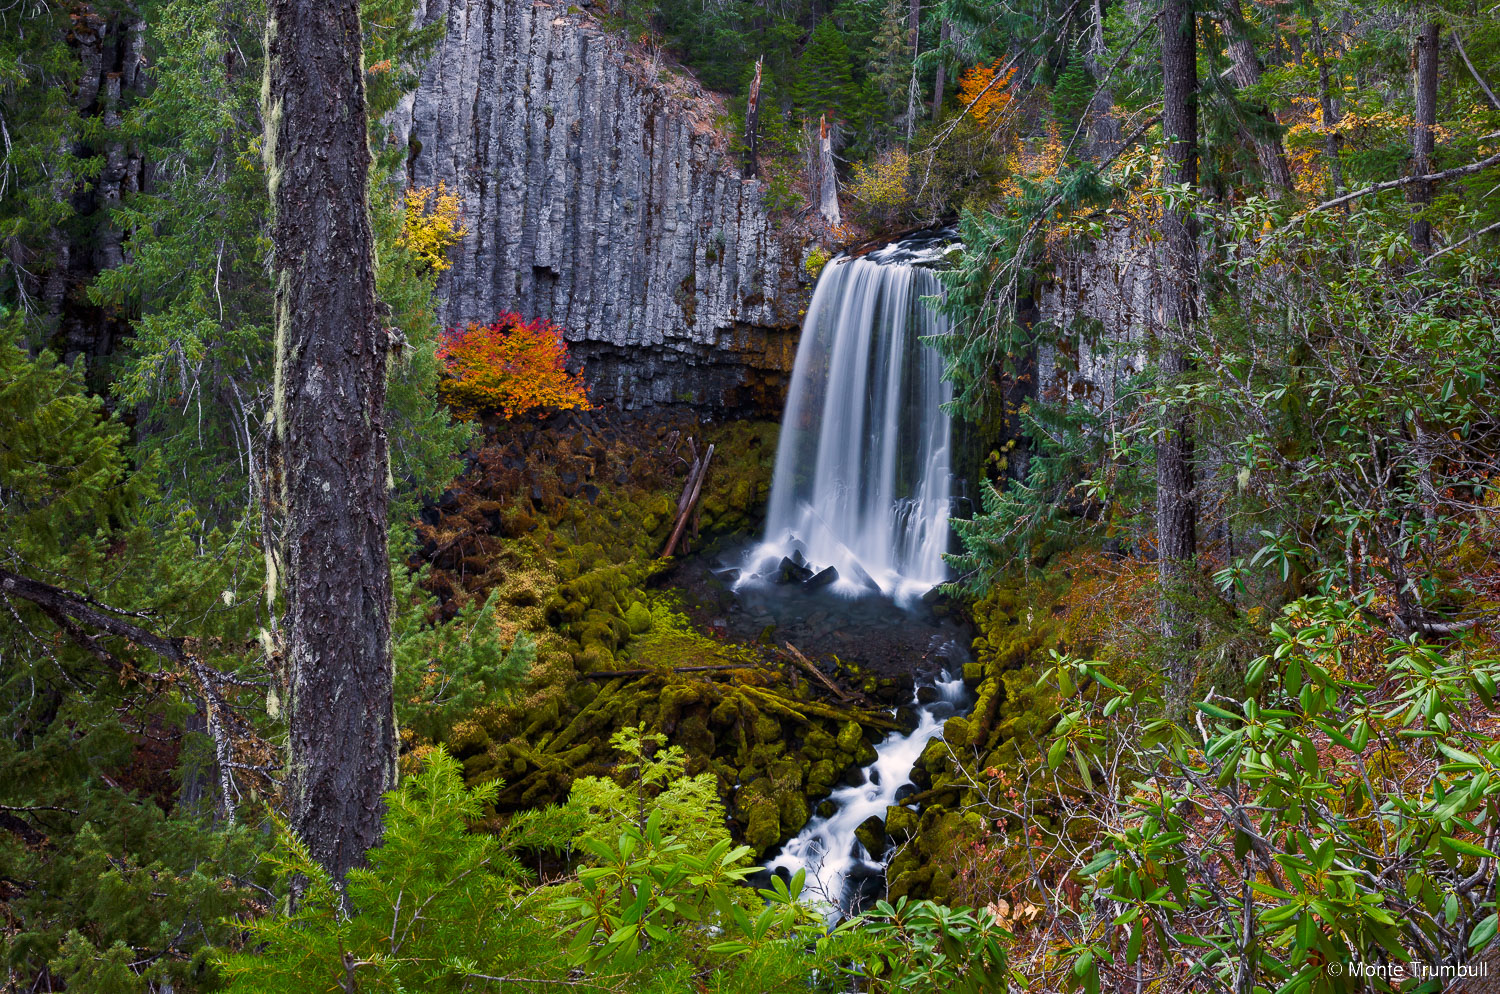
<point x="871" y="835"/>
<point x="928" y="695"/>
<point x="820" y="579"/>
<point x="900" y="823"/>
<point x="904" y="791"/>
<point x="827" y="809"/>
<point x="791" y="571"/>
<point x="865" y="885"/>
<point x="943" y="709"/>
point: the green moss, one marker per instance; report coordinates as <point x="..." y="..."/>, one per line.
<point x="638" y="617"/>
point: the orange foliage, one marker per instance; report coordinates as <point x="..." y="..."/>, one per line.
<point x="513" y="366"/>
<point x="989" y="100"/>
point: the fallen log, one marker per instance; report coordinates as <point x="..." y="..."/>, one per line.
<point x="650" y="671"/>
<point x="692" y="491"/>
<point x="813" y="671"/>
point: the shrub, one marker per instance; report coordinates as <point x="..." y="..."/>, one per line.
<point x="816" y="259"/>
<point x="883" y="188"/>
<point x="431" y="225"/>
<point x="988" y="88"/>
<point x="512" y="366"/>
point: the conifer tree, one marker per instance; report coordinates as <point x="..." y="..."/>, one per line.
<point x="329" y="421"/>
<point x="825" y="81"/>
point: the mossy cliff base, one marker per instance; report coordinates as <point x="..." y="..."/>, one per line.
<point x="565" y="518"/>
<point x="1085" y="603"/>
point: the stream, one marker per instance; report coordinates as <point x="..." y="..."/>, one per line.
<point x="842" y="875"/>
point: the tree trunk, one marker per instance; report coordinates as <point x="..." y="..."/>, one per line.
<point x="1332" y="142"/>
<point x="1247" y="69"/>
<point x="1423" y="136"/>
<point x="1104" y="127"/>
<point x="329" y="432"/>
<point x="942" y="74"/>
<point x="752" y="125"/>
<point x="828" y="187"/>
<point x="1176" y="507"/>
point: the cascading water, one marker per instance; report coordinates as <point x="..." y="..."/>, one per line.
<point x="863" y="469"/>
<point x="839" y="868"/>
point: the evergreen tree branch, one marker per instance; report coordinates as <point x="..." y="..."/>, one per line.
<point x="70" y="610"/>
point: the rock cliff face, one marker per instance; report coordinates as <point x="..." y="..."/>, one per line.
<point x="599" y="191"/>
<point x="1102" y="299"/>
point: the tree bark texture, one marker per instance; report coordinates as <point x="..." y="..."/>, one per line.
<point x="1247" y="69"/>
<point x="752" y="125"/>
<point x="942" y="72"/>
<point x="329" y="435"/>
<point x="1423" y="135"/>
<point x="1333" y="143"/>
<point x="1176" y="502"/>
<point x="828" y="185"/>
<point x="1104" y="127"/>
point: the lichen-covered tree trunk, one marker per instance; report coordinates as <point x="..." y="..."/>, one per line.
<point x="1176" y="501"/>
<point x="330" y="442"/>
<point x="1247" y="69"/>
<point x="1423" y="134"/>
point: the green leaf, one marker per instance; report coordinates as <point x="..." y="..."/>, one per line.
<point x="1484" y="932"/>
<point x="1467" y="848"/>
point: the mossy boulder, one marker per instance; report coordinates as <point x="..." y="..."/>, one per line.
<point x="900" y="822"/>
<point x="638" y="618"/>
<point x="871" y="835"/>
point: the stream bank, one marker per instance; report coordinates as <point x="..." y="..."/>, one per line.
<point x="562" y="519"/>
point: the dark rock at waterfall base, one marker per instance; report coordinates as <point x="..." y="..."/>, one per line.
<point x="904" y="791"/>
<point x="943" y="710"/>
<point x="820" y="579"/>
<point x="927" y="695"/>
<point x="854" y="777"/>
<point x="791" y="571"/>
<point x="827" y="809"/>
<point x="865" y="886"/>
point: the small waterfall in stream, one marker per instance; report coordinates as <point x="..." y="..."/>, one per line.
<point x="863" y="472"/>
<point x="842" y="875"/>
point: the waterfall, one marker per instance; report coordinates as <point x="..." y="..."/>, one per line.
<point x="862" y="475"/>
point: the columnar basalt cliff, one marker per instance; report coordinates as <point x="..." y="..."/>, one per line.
<point x="599" y="191"/>
<point x="1102" y="299"/>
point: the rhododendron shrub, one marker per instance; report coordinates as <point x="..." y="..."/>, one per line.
<point x="512" y="366"/>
